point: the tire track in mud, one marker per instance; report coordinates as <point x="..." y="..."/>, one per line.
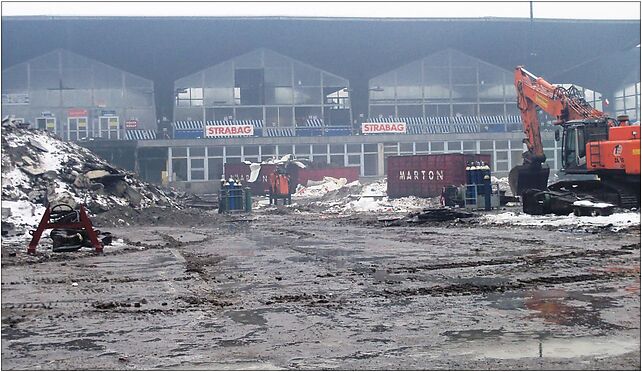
<point x="530" y="260"/>
<point x="467" y="289"/>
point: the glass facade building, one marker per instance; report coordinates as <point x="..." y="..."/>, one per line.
<point x="77" y="97"/>
<point x="264" y="86"/>
<point x="445" y="84"/>
<point x="627" y="101"/>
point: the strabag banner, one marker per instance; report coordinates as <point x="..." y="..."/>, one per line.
<point x="395" y="127"/>
<point x="228" y="130"/>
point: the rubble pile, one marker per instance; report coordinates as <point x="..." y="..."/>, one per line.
<point x="39" y="169"/>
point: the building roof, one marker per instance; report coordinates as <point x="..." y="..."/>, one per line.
<point x="165" y="49"/>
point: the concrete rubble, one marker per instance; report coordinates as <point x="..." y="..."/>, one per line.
<point x="38" y="168"/>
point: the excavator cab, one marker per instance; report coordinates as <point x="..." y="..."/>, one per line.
<point x="575" y="136"/>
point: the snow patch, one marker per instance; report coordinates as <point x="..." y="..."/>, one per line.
<point x="616" y="221"/>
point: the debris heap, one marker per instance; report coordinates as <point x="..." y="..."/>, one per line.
<point x="38" y="169"/>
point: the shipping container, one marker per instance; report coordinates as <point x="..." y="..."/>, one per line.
<point x="425" y="175"/>
<point x="241" y="171"/>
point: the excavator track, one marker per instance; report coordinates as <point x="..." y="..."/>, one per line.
<point x="626" y="197"/>
<point x="607" y="191"/>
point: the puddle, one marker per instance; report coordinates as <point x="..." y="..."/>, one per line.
<point x="252" y="317"/>
<point x="554" y="348"/>
<point x="570" y="308"/>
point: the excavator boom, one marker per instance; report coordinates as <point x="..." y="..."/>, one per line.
<point x="562" y="104"/>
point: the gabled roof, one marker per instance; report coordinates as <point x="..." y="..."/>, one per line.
<point x="70" y="59"/>
<point x="261" y="53"/>
<point x="441" y="58"/>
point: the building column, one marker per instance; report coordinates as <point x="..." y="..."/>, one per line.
<point x="380" y="160"/>
<point x="170" y="171"/>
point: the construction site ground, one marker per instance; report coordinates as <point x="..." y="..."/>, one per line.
<point x="280" y="289"/>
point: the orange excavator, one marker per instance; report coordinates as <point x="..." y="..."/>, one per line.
<point x="600" y="155"/>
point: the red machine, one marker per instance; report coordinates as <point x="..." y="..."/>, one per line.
<point x="75" y="221"/>
<point x="600" y="155"/>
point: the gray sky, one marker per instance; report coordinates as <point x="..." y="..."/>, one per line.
<point x="560" y="10"/>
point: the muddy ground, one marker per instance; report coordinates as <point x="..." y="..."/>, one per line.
<point x="285" y="290"/>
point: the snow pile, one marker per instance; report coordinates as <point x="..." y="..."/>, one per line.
<point x="38" y="168"/>
<point x="337" y="197"/>
<point x="616" y="221"/>
<point x="321" y="188"/>
<point x="588" y="203"/>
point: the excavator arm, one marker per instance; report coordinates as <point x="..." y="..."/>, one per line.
<point x="562" y="104"/>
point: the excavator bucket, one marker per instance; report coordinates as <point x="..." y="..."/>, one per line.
<point x="525" y="177"/>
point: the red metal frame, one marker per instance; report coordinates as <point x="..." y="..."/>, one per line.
<point x="85" y="223"/>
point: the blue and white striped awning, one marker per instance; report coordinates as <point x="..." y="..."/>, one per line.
<point x="279" y="132"/>
<point x="140" y="134"/>
<point x="188" y="125"/>
<point x="514" y="119"/>
<point x="314" y="123"/>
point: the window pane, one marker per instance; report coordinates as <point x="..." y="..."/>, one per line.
<point x="178" y="152"/>
<point x="309" y="96"/>
<point x="268" y="150"/>
<point x="306" y="76"/>
<point x="215" y="151"/>
<point x="405" y="147"/>
<point x="436" y="75"/>
<point x="336" y="149"/>
<point x="421" y="147"/>
<point x="214" y="169"/>
<point x="319" y="149"/>
<point x="412" y="111"/>
<point x="198" y="175"/>
<point x="370" y="147"/>
<point x="464" y="75"/>
<point x="382" y="111"/>
<point x="437" y="92"/>
<point x="409" y="93"/>
<point x="302" y="149"/>
<point x="285" y="117"/>
<point x="465" y="93"/>
<point x="337" y="160"/>
<point x="491" y="109"/>
<point x="198" y="163"/>
<point x="179" y="169"/>
<point x="437" y="110"/>
<point x="354" y="148"/>
<point x="233" y="150"/>
<point x="436" y="146"/>
<point x="250" y="150"/>
<point x="454" y="146"/>
<point x="501" y="144"/>
<point x="249" y="113"/>
<point x="489" y="92"/>
<point x="196" y="151"/>
<point x="465" y="110"/>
